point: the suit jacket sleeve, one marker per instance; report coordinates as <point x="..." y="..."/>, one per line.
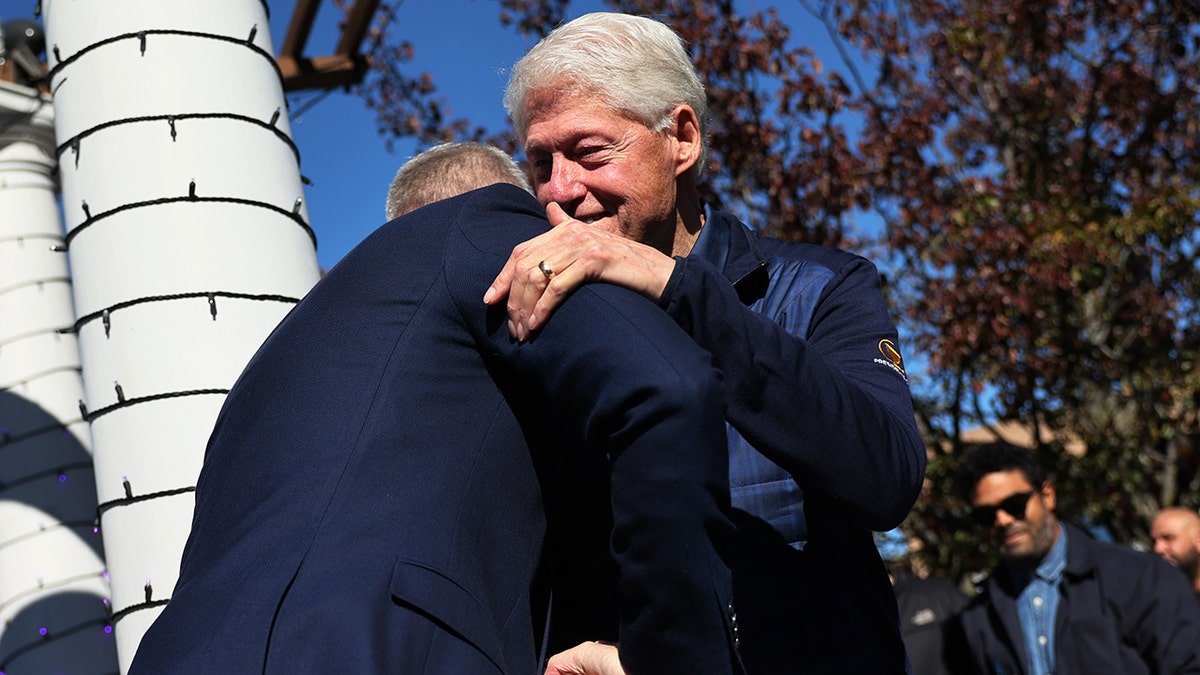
<point x="816" y="403"/>
<point x="628" y="382"/>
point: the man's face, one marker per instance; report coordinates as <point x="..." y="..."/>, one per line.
<point x="1176" y="542"/>
<point x="1023" y="538"/>
<point x="602" y="167"/>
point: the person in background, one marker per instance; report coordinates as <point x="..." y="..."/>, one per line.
<point x="929" y="612"/>
<point x="1060" y="601"/>
<point x="383" y="485"/>
<point x="1176" y="533"/>
<point x="823" y="443"/>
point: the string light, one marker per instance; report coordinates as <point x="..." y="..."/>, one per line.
<point x="294" y="214"/>
<point x="74" y="142"/>
<point x="142" y="35"/>
<point x="44" y="635"/>
<point x="135" y="499"/>
<point x="91" y="416"/>
<point x="105" y="315"/>
<point x="34" y="433"/>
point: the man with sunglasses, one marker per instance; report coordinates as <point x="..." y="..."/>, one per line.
<point x="1060" y="601"/>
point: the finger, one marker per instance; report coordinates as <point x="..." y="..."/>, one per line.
<point x="589" y="658"/>
<point x="527" y="287"/>
<point x="542" y="304"/>
<point x="556" y="214"/>
<point x="502" y="283"/>
<point x="517" y="260"/>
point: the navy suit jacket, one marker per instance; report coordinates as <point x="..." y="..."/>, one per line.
<point x="380" y="484"/>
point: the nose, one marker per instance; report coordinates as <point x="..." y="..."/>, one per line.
<point x="1160" y="546"/>
<point x="1003" y="519"/>
<point x="563" y="184"/>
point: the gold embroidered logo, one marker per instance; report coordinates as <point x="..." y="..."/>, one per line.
<point x="892" y="357"/>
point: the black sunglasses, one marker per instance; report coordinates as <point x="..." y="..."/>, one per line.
<point x="1013" y="505"/>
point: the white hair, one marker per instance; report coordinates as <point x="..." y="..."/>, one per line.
<point x="637" y="66"/>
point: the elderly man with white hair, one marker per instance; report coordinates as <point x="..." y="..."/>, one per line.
<point x="823" y="445"/>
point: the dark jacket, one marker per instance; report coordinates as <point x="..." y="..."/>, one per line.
<point x="1121" y="612"/>
<point x="823" y="444"/>
<point x="377" y="492"/>
<point x="929" y="610"/>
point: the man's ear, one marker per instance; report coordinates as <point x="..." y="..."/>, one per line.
<point x="685" y="131"/>
<point x="1049" y="496"/>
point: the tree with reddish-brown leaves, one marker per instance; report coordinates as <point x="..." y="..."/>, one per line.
<point x="1038" y="165"/>
<point x="1035" y="166"/>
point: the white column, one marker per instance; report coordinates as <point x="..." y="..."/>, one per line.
<point x="188" y="241"/>
<point x="53" y="590"/>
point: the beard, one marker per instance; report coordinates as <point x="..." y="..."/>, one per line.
<point x="1189" y="563"/>
<point x="1027" y="553"/>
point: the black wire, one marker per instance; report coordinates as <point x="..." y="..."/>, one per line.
<point x="141" y="35"/>
<point x="91" y="416"/>
<point x="176" y="296"/>
<point x="189" y="198"/>
<point x="126" y="501"/>
<point x="50" y="637"/>
<point x="73" y="142"/>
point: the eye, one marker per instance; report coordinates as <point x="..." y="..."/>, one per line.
<point x="540" y="164"/>
<point x="588" y="152"/>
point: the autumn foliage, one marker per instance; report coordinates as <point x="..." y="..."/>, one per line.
<point x="1026" y="172"/>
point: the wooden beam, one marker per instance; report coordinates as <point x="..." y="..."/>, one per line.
<point x="358" y="22"/>
<point x="322" y="72"/>
<point x="299" y="29"/>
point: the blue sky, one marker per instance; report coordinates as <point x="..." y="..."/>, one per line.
<point x="460" y="42"/>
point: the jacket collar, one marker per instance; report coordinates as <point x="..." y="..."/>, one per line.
<point x="732" y="248"/>
<point x="1080" y="562"/>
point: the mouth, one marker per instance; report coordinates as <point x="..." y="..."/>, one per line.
<point x="591" y="219"/>
<point x="1013" y="537"/>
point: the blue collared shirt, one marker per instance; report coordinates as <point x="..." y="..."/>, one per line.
<point x="1037" y="606"/>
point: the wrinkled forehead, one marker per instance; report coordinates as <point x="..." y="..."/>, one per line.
<point x="583" y="106"/>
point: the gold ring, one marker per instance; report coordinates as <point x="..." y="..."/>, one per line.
<point x="546" y="270"/>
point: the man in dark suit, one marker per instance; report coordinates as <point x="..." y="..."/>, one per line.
<point x="379" y="487"/>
